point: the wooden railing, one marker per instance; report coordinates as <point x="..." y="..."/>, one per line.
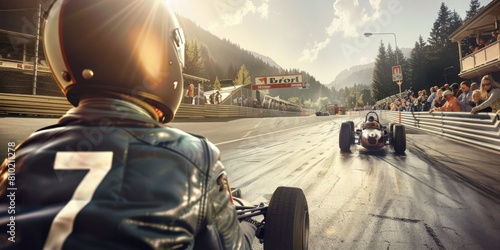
<point x="484" y="56"/>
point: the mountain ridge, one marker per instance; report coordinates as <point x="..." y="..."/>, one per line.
<point x="358" y="74"/>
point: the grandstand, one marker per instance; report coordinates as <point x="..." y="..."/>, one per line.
<point x="20" y="81"/>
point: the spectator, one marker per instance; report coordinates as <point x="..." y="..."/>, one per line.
<point x="190" y="93"/>
<point x="476" y="101"/>
<point x="408" y="105"/>
<point x="410" y="92"/>
<point x="451" y="103"/>
<point x="404" y="105"/>
<point x="136" y="183"/>
<point x="472" y="41"/>
<point x="432" y="96"/>
<point x="397" y="105"/>
<point x="494" y="36"/>
<point x="411" y="102"/>
<point x="480" y="44"/>
<point x="423" y="101"/>
<point x="417" y="104"/>
<point x="473" y="86"/>
<point x="211" y="97"/>
<point x="455" y="89"/>
<point x="439" y="100"/>
<point x="466" y="96"/>
<point x="470" y="50"/>
<point x="218" y="97"/>
<point x="490" y="93"/>
<point x="256" y="103"/>
<point x="393" y="107"/>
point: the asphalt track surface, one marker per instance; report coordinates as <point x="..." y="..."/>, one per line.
<point x="441" y="194"/>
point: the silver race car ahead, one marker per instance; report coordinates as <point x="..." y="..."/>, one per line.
<point x="372" y="135"/>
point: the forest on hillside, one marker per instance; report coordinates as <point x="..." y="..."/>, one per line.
<point x="216" y="59"/>
<point x="433" y="61"/>
<point x="221" y="61"/>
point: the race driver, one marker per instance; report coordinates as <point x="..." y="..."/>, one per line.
<point x="110" y="174"/>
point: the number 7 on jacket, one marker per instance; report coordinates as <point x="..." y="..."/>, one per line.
<point x="98" y="164"/>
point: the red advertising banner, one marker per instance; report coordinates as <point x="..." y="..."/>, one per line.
<point x="279" y="81"/>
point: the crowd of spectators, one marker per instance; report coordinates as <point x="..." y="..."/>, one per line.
<point x="478" y="43"/>
<point x="243" y="101"/>
<point x="463" y="97"/>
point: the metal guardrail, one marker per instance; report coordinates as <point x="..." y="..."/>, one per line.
<point x="49" y="106"/>
<point x="33" y="105"/>
<point x="482" y="129"/>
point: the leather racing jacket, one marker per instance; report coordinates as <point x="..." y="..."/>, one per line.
<point x="107" y="176"/>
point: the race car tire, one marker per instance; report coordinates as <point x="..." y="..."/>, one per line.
<point x="391" y="134"/>
<point x="352" y="125"/>
<point x="287" y="220"/>
<point x="352" y="131"/>
<point x="399" y="138"/>
<point x="345" y="137"/>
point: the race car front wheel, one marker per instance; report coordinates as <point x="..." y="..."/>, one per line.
<point x="345" y="137"/>
<point x="399" y="138"/>
<point x="287" y="220"/>
<point x="352" y="131"/>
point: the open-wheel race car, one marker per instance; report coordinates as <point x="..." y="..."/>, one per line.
<point x="322" y="113"/>
<point x="286" y="218"/>
<point x="372" y="135"/>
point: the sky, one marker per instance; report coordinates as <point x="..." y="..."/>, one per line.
<point x="321" y="37"/>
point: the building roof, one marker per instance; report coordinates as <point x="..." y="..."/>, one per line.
<point x="486" y="20"/>
<point x="195" y="78"/>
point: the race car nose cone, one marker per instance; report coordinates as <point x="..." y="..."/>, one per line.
<point x="372" y="135"/>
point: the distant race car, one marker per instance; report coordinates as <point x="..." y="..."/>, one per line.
<point x="322" y="113"/>
<point x="372" y="135"/>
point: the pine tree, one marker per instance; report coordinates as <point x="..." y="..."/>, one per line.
<point x="243" y="76"/>
<point x="442" y="52"/>
<point x="231" y="71"/>
<point x="418" y="65"/>
<point x="455" y="21"/>
<point x="440" y="30"/>
<point x="452" y="54"/>
<point x="211" y="67"/>
<point x="217" y="85"/>
<point x="382" y="77"/>
<point x="391" y="55"/>
<point x="194" y="63"/>
<point x="474" y="8"/>
<point x="365" y="97"/>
